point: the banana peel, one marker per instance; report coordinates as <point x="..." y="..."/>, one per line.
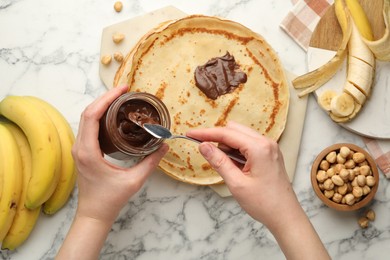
<point x="313" y="80"/>
<point x="381" y="47"/>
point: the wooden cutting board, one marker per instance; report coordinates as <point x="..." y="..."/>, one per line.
<point x="327" y="34"/>
<point x="324" y="42"/>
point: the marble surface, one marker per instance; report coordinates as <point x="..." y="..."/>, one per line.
<point x="51" y="49"/>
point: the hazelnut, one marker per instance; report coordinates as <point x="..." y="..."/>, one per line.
<point x="340" y="159"/>
<point x="358" y="157"/>
<point x="357" y="191"/>
<point x="363" y="222"/>
<point x="349" y="199"/>
<point x="370" y="215"/>
<point x="118" y="37"/>
<point x="365" y="170"/>
<point x="118" y="56"/>
<point x="370" y="181"/>
<point x="344" y="151"/>
<point x="106" y="59"/>
<point x="118" y="6"/>
<point x="331" y="157"/>
<point x="361" y="180"/>
<point x="324" y="165"/>
<point x="336" y="179"/>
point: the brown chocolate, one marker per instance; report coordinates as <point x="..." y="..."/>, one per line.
<point x="140" y="111"/>
<point x="219" y="76"/>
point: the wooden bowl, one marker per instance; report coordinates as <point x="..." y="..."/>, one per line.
<point x="328" y="201"/>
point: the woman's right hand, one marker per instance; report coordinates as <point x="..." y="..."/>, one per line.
<point x="262" y="187"/>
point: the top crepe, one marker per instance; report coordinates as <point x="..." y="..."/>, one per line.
<point x="163" y="63"/>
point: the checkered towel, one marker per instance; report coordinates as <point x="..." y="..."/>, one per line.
<point x="299" y="24"/>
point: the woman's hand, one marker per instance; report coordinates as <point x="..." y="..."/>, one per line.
<point x="262" y="187"/>
<point x="103" y="188"/>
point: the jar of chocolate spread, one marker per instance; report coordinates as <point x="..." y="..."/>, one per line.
<point x="120" y="137"/>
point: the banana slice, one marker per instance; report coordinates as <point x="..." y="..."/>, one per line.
<point x="355" y="93"/>
<point x="325" y="98"/>
<point x="342" y="105"/>
<point x="344" y="119"/>
<point x="360" y="74"/>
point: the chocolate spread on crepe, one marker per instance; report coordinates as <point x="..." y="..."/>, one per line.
<point x="219" y="76"/>
<point x="163" y="63"/>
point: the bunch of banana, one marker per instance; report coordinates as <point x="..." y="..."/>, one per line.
<point x="43" y="141"/>
<point x="25" y="219"/>
<point x="11" y="179"/>
<point x="361" y="58"/>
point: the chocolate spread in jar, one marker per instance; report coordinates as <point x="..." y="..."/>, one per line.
<point x="219" y="76"/>
<point x="142" y="112"/>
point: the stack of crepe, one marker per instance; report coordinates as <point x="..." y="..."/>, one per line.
<point x="163" y="63"/>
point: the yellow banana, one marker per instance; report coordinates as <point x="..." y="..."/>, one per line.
<point x="25" y="219"/>
<point x="360" y="19"/>
<point x="11" y="175"/>
<point x="45" y="147"/>
<point x="68" y="174"/>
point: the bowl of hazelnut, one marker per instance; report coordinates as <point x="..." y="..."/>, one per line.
<point x="345" y="177"/>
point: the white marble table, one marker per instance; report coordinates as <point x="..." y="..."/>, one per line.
<point x="51" y="49"/>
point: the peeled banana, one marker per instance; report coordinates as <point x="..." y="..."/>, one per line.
<point x="68" y="170"/>
<point x="11" y="179"/>
<point x="25" y="219"/>
<point x="45" y="146"/>
<point x="361" y="62"/>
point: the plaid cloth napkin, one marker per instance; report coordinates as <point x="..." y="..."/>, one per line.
<point x="299" y="24"/>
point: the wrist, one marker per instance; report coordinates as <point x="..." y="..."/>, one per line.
<point x="85" y="238"/>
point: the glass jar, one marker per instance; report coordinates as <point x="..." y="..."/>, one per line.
<point x="122" y="139"/>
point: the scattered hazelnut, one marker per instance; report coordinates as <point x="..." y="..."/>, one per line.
<point x="118" y="56"/>
<point x="118" y="6"/>
<point x="106" y="59"/>
<point x="118" y="37"/>
<point x="363" y="222"/>
<point x="370" y="215"/>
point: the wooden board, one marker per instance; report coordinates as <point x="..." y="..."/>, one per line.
<point x="325" y="40"/>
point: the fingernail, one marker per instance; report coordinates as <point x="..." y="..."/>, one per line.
<point x="206" y="150"/>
